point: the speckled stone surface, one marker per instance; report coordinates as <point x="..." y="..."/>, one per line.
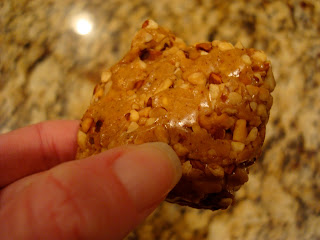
<point x="47" y="71"/>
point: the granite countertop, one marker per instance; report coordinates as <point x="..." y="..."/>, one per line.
<point x="48" y="71"/>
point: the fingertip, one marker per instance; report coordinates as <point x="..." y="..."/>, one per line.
<point x="148" y="172"/>
<point x="169" y="155"/>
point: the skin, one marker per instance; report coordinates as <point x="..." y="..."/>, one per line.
<point x="45" y="194"/>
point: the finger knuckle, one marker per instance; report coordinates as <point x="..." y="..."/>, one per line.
<point x="65" y="211"/>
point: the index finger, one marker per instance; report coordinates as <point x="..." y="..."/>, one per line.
<point x="36" y="148"/>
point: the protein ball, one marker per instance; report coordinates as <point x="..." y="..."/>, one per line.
<point x="210" y="102"/>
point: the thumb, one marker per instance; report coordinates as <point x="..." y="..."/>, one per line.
<point x="101" y="197"/>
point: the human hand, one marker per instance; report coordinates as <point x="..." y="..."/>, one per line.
<point x="45" y="195"/>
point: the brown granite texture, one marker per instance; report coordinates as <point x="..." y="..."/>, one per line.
<point x="47" y="71"/>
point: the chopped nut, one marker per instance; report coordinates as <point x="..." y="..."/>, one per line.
<point x="142" y="64"/>
<point x="262" y="111"/>
<point x="205" y="122"/>
<point x="86" y="124"/>
<point x="143" y="96"/>
<point x="134" y="116"/>
<point x="257" y="77"/>
<point x="246" y="59"/>
<point x="149" y="102"/>
<point x="164" y="85"/>
<point x="239" y="177"/>
<point x="157" y="112"/>
<point x="99" y="93"/>
<point x="141" y="103"/>
<point x="214" y="78"/>
<point x="186" y="168"/>
<point x="150" y="121"/>
<point x="107" y="88"/>
<point x="185" y="86"/>
<point x="253" y="106"/>
<point x="179" y="41"/>
<point x="135" y="106"/>
<point x="144" y="54"/>
<point x="224" y="89"/>
<point x="186" y="54"/>
<point x="154" y="54"/>
<point x="214" y="91"/>
<point x="82" y="137"/>
<point x="204" y="46"/>
<point x="130" y="92"/>
<point x="151" y="24"/>
<point x="222" y="120"/>
<point x="203" y="53"/>
<point x="215" y="43"/>
<point x="127" y="116"/>
<point x="237" y="146"/>
<point x="206" y="110"/>
<point x="240" y="130"/>
<point x="263" y="94"/>
<point x="219" y="134"/>
<point x="198" y="165"/>
<point x="142" y="121"/>
<point x="138" y="84"/>
<point x="161" y="134"/>
<point x="197" y="78"/>
<point x="252" y="135"/>
<point x="216" y="171"/>
<point x="145" y="23"/>
<point x="239" y="45"/>
<point x="269" y="81"/>
<point x="166" y="43"/>
<point x="225" y="202"/>
<point x="132" y="127"/>
<point x="224" y="46"/>
<point x="228" y="168"/>
<point x="196" y="128"/>
<point x="98" y="125"/>
<point x="229" y="111"/>
<point x="134" y="96"/>
<point x="106" y="75"/>
<point x="212" y="152"/>
<point x="234" y="98"/>
<point x="259" y="56"/>
<point x="177" y="70"/>
<point x="144" y="112"/>
<point x="147" y="37"/>
<point x="91" y="140"/>
<point x="180" y="149"/>
<point x="252" y="90"/>
<point x="192" y="54"/>
<point x="165" y="101"/>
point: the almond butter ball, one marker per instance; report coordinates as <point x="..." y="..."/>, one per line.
<point x="210" y="102"/>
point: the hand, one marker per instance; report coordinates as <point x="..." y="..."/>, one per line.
<point x="44" y="195"/>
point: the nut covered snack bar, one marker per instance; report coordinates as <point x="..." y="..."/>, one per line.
<point x="210" y="102"/>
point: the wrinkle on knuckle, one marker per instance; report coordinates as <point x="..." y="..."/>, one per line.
<point x="38" y="131"/>
<point x="47" y="146"/>
<point x="66" y="214"/>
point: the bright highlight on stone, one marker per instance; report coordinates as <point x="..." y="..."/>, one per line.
<point x="83" y="26"/>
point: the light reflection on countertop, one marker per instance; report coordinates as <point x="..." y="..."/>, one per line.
<point x="82" y="25"/>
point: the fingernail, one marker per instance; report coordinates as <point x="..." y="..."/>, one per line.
<point x="148" y="172"/>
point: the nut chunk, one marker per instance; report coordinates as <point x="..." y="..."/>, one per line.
<point x="209" y="101"/>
